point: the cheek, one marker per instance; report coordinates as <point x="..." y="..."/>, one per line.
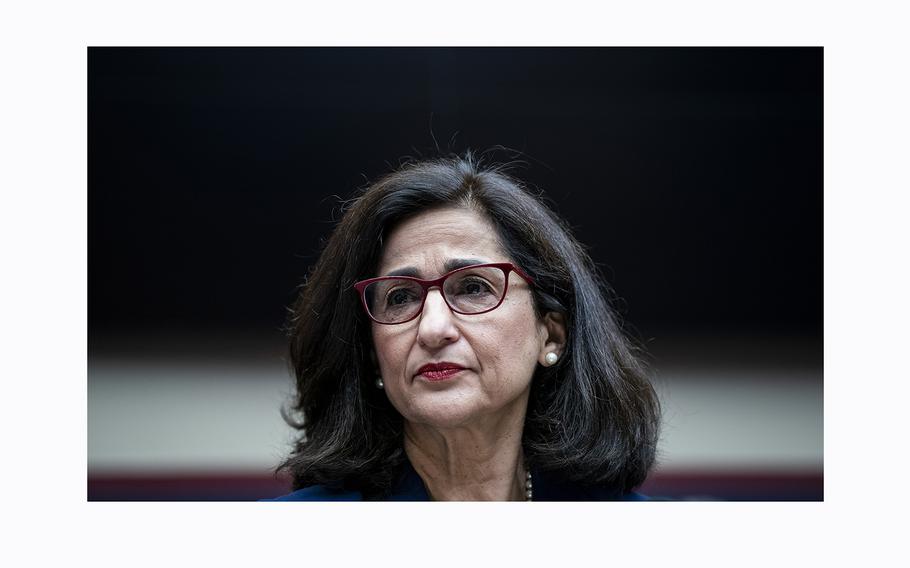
<point x="510" y="349"/>
<point x="391" y="349"/>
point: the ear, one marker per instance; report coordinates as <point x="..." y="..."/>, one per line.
<point x="553" y="337"/>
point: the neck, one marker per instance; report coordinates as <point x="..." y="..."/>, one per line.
<point x="469" y="463"/>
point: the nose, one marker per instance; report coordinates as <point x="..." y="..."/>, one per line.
<point x="436" y="326"/>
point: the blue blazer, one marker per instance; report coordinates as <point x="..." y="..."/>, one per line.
<point x="410" y="487"/>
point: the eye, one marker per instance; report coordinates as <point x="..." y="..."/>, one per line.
<point x="400" y="296"/>
<point x="473" y="287"/>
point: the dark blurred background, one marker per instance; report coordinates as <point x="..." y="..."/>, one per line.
<point x="693" y="174"/>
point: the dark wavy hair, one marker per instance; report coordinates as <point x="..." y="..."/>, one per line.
<point x="593" y="418"/>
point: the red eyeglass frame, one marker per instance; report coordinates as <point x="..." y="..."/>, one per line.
<point x="506" y="268"/>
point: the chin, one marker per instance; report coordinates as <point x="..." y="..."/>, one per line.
<point x="446" y="415"/>
<point x="453" y="408"/>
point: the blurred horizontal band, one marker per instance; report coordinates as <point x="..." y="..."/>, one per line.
<point x="687" y="485"/>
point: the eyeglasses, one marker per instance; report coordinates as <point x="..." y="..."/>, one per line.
<point x="470" y="290"/>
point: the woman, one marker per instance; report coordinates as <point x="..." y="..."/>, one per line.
<point x="453" y="342"/>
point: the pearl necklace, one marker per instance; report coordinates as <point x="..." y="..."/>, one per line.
<point x="529" y="487"/>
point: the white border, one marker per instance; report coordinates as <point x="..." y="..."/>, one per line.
<point x="43" y="230"/>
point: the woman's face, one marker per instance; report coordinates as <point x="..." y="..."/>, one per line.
<point x="498" y="350"/>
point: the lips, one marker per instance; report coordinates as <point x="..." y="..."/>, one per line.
<point x="439" y="371"/>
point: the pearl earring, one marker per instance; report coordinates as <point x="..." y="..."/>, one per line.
<point x="379" y="383"/>
<point x="551" y="358"/>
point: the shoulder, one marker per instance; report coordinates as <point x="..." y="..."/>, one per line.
<point x="633" y="496"/>
<point x="554" y="486"/>
<point x="319" y="493"/>
<point x="613" y="494"/>
<point x="609" y="494"/>
<point x="409" y="487"/>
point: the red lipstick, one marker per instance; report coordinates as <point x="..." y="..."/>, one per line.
<point x="439" y="371"/>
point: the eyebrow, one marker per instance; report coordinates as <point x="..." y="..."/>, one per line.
<point x="449" y="266"/>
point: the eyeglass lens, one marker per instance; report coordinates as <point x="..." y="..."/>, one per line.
<point x="468" y="291"/>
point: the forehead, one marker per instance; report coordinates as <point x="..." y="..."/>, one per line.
<point x="427" y="240"/>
